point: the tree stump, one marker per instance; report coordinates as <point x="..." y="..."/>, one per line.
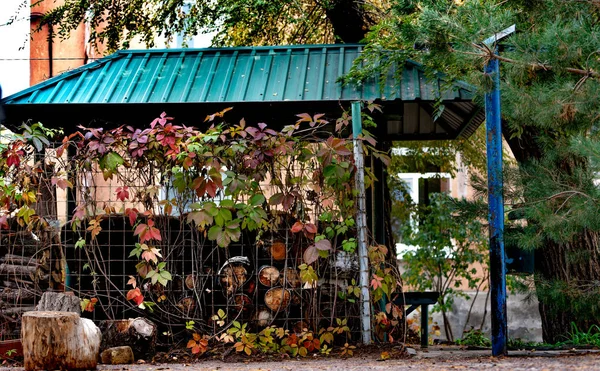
<point x="59" y="340"/>
<point x="56" y="301"/>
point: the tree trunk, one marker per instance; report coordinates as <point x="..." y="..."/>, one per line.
<point x="576" y="266"/>
<point x="59" y="340"/>
<point x="571" y="265"/>
<point x="347" y="17"/>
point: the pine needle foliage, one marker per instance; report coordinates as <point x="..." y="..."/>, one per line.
<point x="550" y="74"/>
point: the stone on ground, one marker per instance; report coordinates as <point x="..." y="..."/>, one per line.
<point x="118" y="356"/>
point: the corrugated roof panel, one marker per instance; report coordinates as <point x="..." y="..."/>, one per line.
<point x="293" y="73"/>
<point x="254" y="78"/>
<point x="331" y="88"/>
<point x="248" y="74"/>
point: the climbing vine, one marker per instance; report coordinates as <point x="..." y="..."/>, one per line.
<point x="227" y="182"/>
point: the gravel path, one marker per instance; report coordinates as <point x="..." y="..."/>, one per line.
<point x="435" y="359"/>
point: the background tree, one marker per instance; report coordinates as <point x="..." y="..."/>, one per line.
<point x="550" y="112"/>
<point x="237" y="22"/>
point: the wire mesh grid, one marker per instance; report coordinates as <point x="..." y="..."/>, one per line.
<point x="255" y="280"/>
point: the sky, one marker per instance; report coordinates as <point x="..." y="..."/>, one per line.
<point x="14" y="47"/>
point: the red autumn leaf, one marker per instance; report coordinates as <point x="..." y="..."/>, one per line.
<point x="288" y="200"/>
<point x="187" y="163"/>
<point x="61" y="183"/>
<point x="135" y="295"/>
<point x="13" y="159"/>
<point x="276" y="199"/>
<point x="147" y="232"/>
<point x="304" y="117"/>
<point x="197" y="183"/>
<point x="132" y="214"/>
<point x="91" y="304"/>
<point x="376" y="282"/>
<point x="140" y="229"/>
<point x="310" y="228"/>
<point x="297" y="227"/>
<point x="122" y="193"/>
<point x="60" y="150"/>
<point x="211" y="188"/>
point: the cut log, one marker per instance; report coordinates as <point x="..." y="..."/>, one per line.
<point x="18" y="295"/>
<point x="290" y="278"/>
<point x="277" y="250"/>
<point x="19" y="282"/>
<point x="18" y="270"/>
<point x="187" y="305"/>
<point x="234" y="274"/>
<point x="241" y="302"/>
<point x="138" y="333"/>
<point x="18" y="310"/>
<point x="10" y="284"/>
<point x="263" y="317"/>
<point x="191" y="281"/>
<point x="59" y="340"/>
<point x="277" y="299"/>
<point x="268" y="275"/>
<point x="19" y="260"/>
<point x="57" y="301"/>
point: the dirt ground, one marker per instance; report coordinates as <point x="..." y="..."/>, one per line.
<point x="434" y="359"/>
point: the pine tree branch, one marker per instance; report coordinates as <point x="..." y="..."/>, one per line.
<point x="487" y="53"/>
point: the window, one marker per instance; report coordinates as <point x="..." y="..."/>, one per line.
<point x="416" y="187"/>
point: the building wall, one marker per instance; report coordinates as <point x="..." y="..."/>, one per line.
<point x="51" y="56"/>
<point x="524" y="321"/>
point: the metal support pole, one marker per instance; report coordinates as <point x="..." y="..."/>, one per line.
<point x="361" y="225"/>
<point x="496" y="211"/>
<point x="424" y="326"/>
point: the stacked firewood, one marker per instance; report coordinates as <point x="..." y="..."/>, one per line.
<point x="30" y="263"/>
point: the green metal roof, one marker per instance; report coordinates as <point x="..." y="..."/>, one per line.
<point x="307" y="73"/>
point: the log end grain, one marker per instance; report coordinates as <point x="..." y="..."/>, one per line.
<point x="277" y="299"/>
<point x="278" y="251"/>
<point x="268" y="276"/>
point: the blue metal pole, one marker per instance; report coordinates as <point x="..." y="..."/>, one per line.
<point x="496" y="211"/>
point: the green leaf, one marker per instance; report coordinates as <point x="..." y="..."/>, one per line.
<point x="214" y="232"/>
<point x="257" y="200"/>
<point x="227" y="203"/>
<point x="111" y="161"/>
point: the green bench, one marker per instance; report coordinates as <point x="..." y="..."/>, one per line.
<point x="415" y="300"/>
